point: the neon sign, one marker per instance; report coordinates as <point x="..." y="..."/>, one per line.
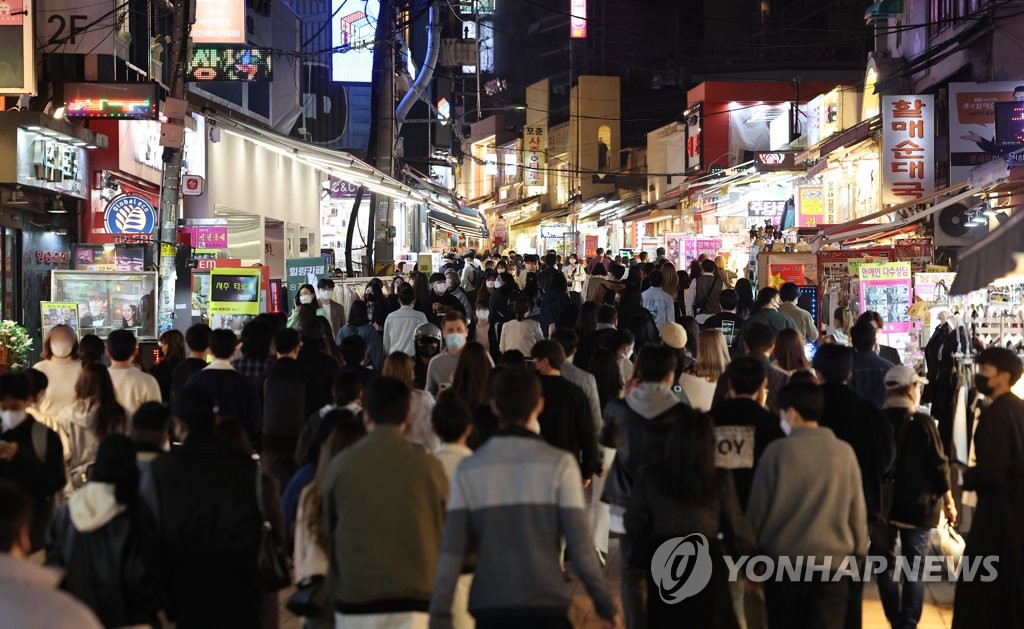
<point x="230" y="63"/>
<point x="578" y="19"/>
<point x="128" y="101"/>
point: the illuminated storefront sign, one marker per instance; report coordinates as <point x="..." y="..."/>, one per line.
<point x="230" y="63"/>
<point x="533" y="148"/>
<point x="578" y="20"/>
<point x="353" y="29"/>
<point x="45" y="162"/>
<point x="219" y="22"/>
<point x="908" y="147"/>
<point x="130" y="101"/>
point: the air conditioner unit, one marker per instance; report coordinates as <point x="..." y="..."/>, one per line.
<point x="952" y="230"/>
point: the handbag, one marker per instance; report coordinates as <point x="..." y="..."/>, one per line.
<point x="951" y="543"/>
<point x="272" y="570"/>
<point x="311" y="598"/>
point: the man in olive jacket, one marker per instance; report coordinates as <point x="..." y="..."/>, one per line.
<point x="384" y="499"/>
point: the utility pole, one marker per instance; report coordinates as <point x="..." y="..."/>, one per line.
<point x="383" y="145"/>
<point x="170" y="192"/>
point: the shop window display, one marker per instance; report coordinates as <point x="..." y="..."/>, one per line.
<point x="110" y="300"/>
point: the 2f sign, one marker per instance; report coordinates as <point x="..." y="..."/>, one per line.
<point x="76" y="27"/>
<point x="66" y="28"/>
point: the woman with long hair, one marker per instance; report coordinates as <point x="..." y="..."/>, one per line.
<point x="554" y="301"/>
<point x="643" y="328"/>
<point x="401" y="366"/>
<point x="842" y="323"/>
<point x="101" y="546"/>
<point x="93" y="415"/>
<point x="521" y="333"/>
<point x="359" y="324"/>
<point x="670" y="281"/>
<point x="604" y="366"/>
<point x="472" y="374"/>
<point x="789" y="352"/>
<point x="575" y="275"/>
<point x="712" y="359"/>
<point x="306" y="296"/>
<point x="685" y="495"/>
<point x="630" y="304"/>
<point x="421" y="287"/>
<point x="172" y="353"/>
<point x="745" y="292"/>
<point x="311" y="554"/>
<point x="61" y="365"/>
<point x="587" y="322"/>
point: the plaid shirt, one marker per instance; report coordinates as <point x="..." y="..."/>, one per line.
<point x="253" y="367"/>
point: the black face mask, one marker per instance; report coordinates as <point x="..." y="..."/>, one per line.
<point x="982" y="385"/>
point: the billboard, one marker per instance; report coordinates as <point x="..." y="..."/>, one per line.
<point x="972" y="124"/>
<point x="127" y="101"/>
<point x="353" y="28"/>
<point x="219" y="22"/>
<point x="230" y="63"/>
<point x="908" y="147"/>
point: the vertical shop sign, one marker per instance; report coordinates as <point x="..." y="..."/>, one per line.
<point x="694" y="138"/>
<point x="919" y="252"/>
<point x="303" y="271"/>
<point x="886" y="289"/>
<point x="578" y="19"/>
<point x="533" y="148"/>
<point x="908" y="147"/>
<point x="829" y="201"/>
<point x="810" y="206"/>
<point x="590" y="246"/>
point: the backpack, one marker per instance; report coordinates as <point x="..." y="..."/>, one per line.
<point x="476" y="277"/>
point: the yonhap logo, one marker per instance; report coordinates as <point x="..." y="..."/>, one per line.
<point x="681" y="567"/>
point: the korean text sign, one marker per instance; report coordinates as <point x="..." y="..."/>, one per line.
<point x="234" y="291"/>
<point x="908" y="147"/>
<point x="303" y="271"/>
<point x="810" y="206"/>
<point x="204" y="237"/>
<point x="886" y="289"/>
<point x="533" y="151"/>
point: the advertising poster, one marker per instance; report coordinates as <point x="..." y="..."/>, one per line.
<point x="590" y="246"/>
<point x="810" y="206"/>
<point x="234" y="297"/>
<point x="886" y="289"/>
<point x="694" y="248"/>
<point x="206" y="237"/>
<point x="929" y="285"/>
<point x="100" y="258"/>
<point x="908" y="147"/>
<point x="779" y="274"/>
<point x="919" y="252"/>
<point x="301" y="271"/>
<point x="972" y="124"/>
<point x="674" y="248"/>
<point x="59" y="313"/>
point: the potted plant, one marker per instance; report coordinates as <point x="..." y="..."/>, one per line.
<point x="14" y="345"/>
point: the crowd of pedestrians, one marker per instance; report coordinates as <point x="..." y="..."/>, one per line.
<point x="457" y="447"/>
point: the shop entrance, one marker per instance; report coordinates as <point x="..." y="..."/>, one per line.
<point x="10" y="272"/>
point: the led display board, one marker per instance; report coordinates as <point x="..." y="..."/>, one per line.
<point x="1009" y="123"/>
<point x="230" y="63"/>
<point x="353" y="29"/>
<point x="124" y="101"/>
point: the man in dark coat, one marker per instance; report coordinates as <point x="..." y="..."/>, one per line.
<point x="231" y="392"/>
<point x="998" y="478"/>
<point x="203" y="497"/>
<point x="316" y="367"/>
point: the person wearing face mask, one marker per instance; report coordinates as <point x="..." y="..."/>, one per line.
<point x="505" y="292"/>
<point x="442" y="367"/>
<point x="811" y="466"/>
<point x="451" y="278"/>
<point x="31" y="455"/>
<point x="306" y="295"/>
<point x="428" y="340"/>
<point x="335" y="311"/>
<point x="441" y="301"/>
<point x="61" y="365"/>
<point x="921" y="490"/>
<point x="575" y="275"/>
<point x="997" y="477"/>
<point x="482" y="334"/>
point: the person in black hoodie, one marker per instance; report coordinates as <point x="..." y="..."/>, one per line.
<point x="859" y="423"/>
<point x="565" y="421"/>
<point x="102" y="539"/>
<point x="203" y="498"/>
<point x="231" y="392"/>
<point x="921" y="491"/>
<point x="31" y="455"/>
<point x="636" y="426"/>
<point x="500" y="304"/>
<point x="743" y="427"/>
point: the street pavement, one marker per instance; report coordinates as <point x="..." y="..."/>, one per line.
<point x="938" y="609"/>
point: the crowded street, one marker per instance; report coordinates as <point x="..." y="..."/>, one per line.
<point x="511" y="314"/>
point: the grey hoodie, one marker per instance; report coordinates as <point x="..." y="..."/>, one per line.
<point x="92" y="506"/>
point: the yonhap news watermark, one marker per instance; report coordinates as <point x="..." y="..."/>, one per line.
<point x="682" y="567"/>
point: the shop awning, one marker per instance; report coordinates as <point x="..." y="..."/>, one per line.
<point x="538" y="218"/>
<point x="465" y="223"/>
<point x="510" y="206"/>
<point x="996" y="255"/>
<point x="338" y="163"/>
<point x="903" y="215"/>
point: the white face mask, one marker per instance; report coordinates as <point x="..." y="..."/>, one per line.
<point x="61" y="348"/>
<point x="440" y="288"/>
<point x="326" y="294"/>
<point x="785" y="425"/>
<point x="482" y="314"/>
<point x="455" y="341"/>
<point x="12" y="419"/>
<point x="490" y="283"/>
<point x="498" y="283"/>
<point x="305" y="299"/>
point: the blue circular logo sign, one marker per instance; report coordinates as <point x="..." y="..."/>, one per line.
<point x="129" y="214"/>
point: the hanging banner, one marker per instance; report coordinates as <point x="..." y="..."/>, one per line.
<point x="919" y="252"/>
<point x="886" y="289"/>
<point x="810" y="206"/>
<point x="533" y="154"/>
<point x="589" y="246"/>
<point x="301" y="271"/>
<point x="779" y="274"/>
<point x="908" y="147"/>
<point x="234" y="292"/>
